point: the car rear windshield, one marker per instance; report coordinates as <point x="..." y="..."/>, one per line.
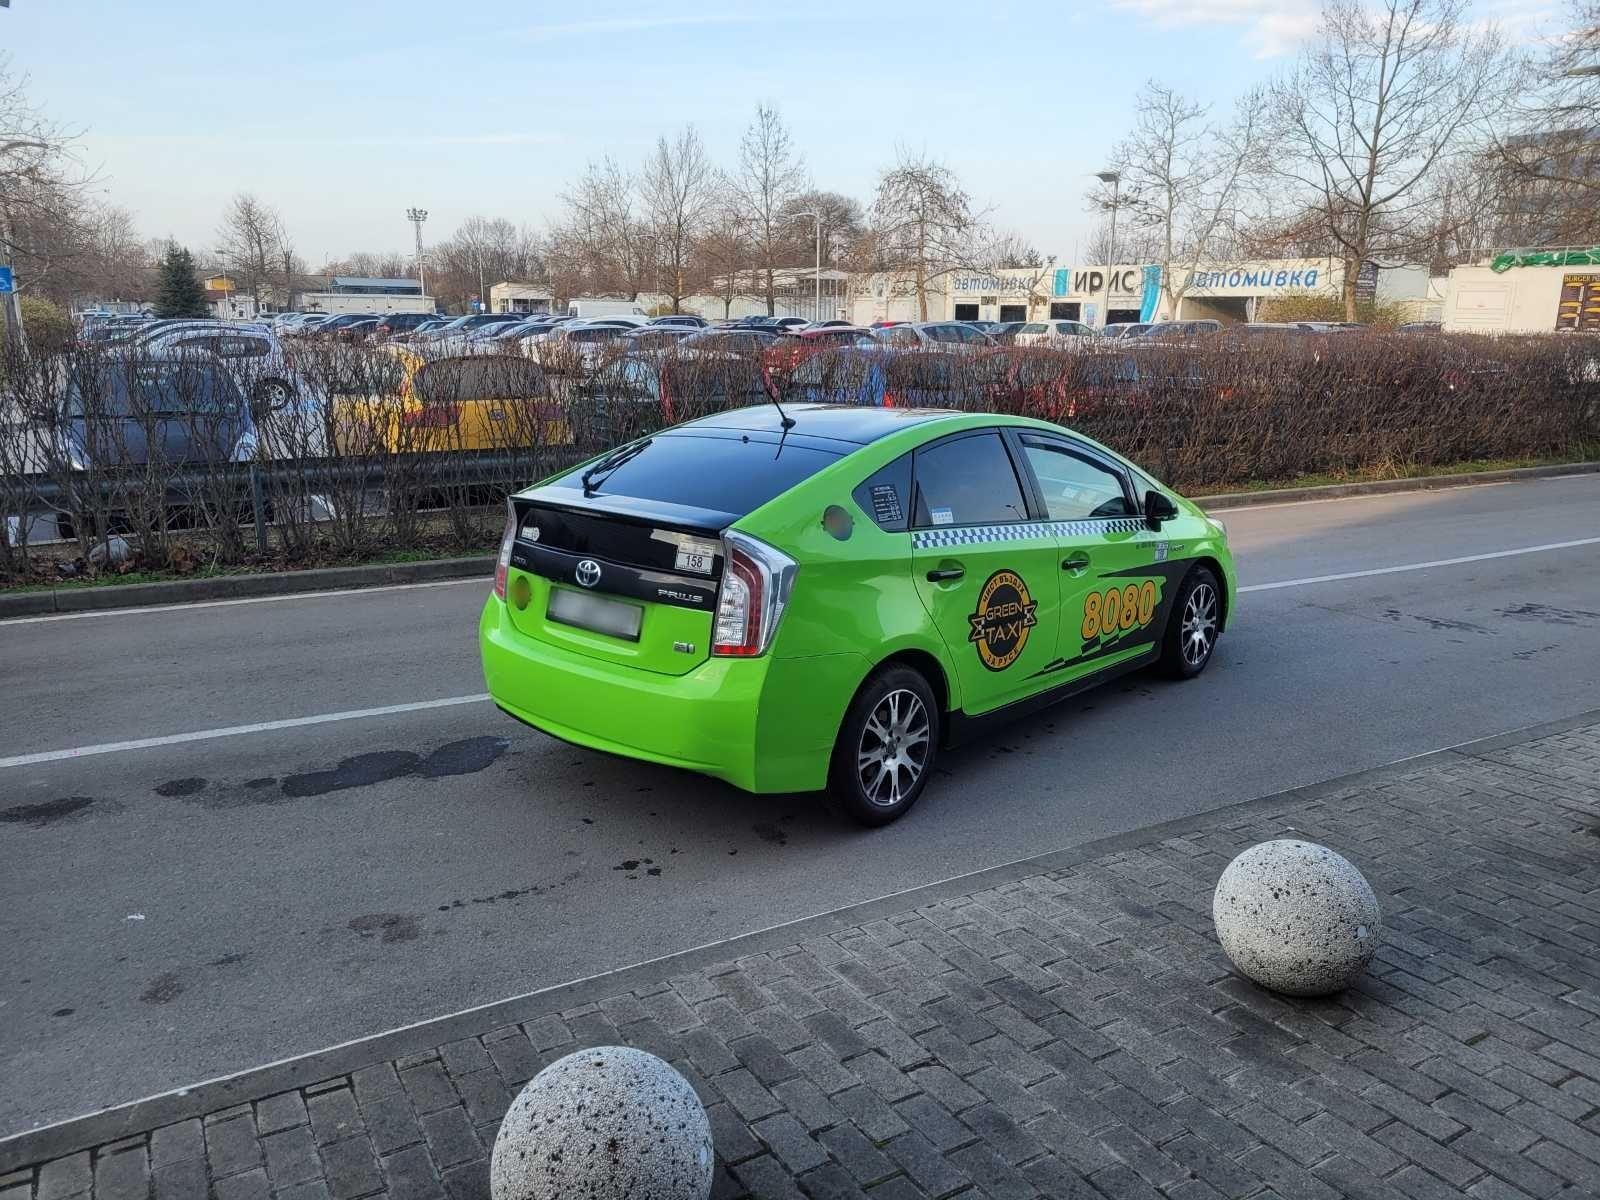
<point x="720" y="473"/>
<point x="496" y="377"/>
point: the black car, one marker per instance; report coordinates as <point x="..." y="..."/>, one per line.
<point x="688" y="319"/>
<point x="398" y="322"/>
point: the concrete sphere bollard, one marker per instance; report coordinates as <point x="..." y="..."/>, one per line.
<point x="611" y="1122"/>
<point x="1296" y="917"/>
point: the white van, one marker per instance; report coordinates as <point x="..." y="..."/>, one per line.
<point x="604" y="308"/>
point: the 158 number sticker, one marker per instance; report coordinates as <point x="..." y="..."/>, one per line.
<point x="1116" y="611"/>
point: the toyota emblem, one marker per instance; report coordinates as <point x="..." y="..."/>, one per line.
<point x="588" y="572"/>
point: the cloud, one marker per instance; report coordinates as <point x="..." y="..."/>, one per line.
<point x="1272" y="28"/>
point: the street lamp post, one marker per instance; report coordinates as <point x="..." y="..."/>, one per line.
<point x="1114" y="178"/>
<point x="816" y="303"/>
<point x="417" y="216"/>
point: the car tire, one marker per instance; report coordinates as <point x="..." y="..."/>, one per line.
<point x="893" y="723"/>
<point x="271" y="394"/>
<point x="1190" y="638"/>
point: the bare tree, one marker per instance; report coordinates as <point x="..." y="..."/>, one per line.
<point x="604" y="231"/>
<point x="725" y="254"/>
<point x="771" y="174"/>
<point x="1546" y="168"/>
<point x="923" y="224"/>
<point x="43" y="229"/>
<point x="1381" y="107"/>
<point x="1178" y="185"/>
<point x="844" y="222"/>
<point x="249" y="245"/>
<point x="677" y="188"/>
<point x="481" y="252"/>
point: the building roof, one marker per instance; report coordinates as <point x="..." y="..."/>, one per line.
<point x="338" y="281"/>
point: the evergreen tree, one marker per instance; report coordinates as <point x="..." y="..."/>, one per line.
<point x="179" y="294"/>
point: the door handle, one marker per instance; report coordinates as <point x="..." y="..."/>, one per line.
<point x="946" y="574"/>
<point x="1076" y="562"/>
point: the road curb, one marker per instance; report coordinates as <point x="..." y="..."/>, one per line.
<point x="238" y="587"/>
<point x="138" y="1117"/>
<point x="1384" y="487"/>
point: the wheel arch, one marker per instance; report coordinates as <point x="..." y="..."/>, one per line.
<point x="1206" y="560"/>
<point x="928" y="666"/>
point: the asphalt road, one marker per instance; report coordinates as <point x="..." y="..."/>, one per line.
<point x="175" y="912"/>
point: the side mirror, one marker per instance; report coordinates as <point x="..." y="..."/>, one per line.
<point x="1158" y="507"/>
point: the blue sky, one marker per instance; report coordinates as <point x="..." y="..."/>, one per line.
<point x="342" y="113"/>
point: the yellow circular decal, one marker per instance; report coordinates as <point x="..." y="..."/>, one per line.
<point x="1005" y="614"/>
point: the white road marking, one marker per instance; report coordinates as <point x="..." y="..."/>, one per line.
<point x="205" y="735"/>
<point x="191" y="605"/>
<point x="1419" y="566"/>
<point x="202" y="735"/>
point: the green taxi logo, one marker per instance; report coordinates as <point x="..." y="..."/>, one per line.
<point x="1005" y="614"/>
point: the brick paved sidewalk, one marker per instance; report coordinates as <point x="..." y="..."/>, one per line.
<point x="1070" y="1033"/>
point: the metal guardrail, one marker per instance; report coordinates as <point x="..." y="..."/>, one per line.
<point x="462" y="468"/>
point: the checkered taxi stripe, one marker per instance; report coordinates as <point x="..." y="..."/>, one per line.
<point x="974" y="535"/>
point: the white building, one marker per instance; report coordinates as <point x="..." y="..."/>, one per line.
<point x="509" y="297"/>
<point x="1099" y="296"/>
<point x="1533" y="298"/>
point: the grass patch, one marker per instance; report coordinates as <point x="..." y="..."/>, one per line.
<point x="106" y="579"/>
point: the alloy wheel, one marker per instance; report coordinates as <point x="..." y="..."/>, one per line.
<point x="894" y="748"/>
<point x="1199" y="629"/>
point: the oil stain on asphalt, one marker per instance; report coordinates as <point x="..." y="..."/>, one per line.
<point x="395" y="927"/>
<point x="463" y="757"/>
<point x="47" y="812"/>
<point x="453" y="758"/>
<point x="163" y="989"/>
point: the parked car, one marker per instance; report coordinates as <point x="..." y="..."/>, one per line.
<point x="1420" y="327"/>
<point x="1055" y="333"/>
<point x="688" y="319"/>
<point x="254" y="357"/>
<point x="1005" y="332"/>
<point x="1125" y="329"/>
<point x="424" y="402"/>
<point x="1177" y="331"/>
<point x="815" y="598"/>
<point x="393" y="323"/>
<point x="953" y="337"/>
<point x="461" y="325"/>
<point x="161" y="408"/>
<point x="655" y="338"/>
<point x="783" y="355"/>
<point x="573" y="346"/>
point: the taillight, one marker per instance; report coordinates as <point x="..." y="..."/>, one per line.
<point x="502" y="566"/>
<point x="430" y="416"/>
<point x="756" y="583"/>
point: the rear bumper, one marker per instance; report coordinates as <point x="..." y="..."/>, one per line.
<point x="764" y="725"/>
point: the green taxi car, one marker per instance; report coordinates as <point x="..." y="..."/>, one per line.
<point x="824" y="596"/>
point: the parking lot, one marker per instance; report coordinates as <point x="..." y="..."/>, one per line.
<point x="288" y="869"/>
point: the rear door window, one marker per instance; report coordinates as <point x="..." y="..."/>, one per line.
<point x="967" y="481"/>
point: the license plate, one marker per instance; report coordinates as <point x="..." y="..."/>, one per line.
<point x="595" y="613"/>
<point x="698" y="561"/>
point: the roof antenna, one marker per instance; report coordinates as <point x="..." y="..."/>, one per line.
<point x="786" y="422"/>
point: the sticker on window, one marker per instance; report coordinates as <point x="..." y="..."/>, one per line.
<point x="943" y="516"/>
<point x="886" y="504"/>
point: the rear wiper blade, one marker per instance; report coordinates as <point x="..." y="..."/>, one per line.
<point x="610" y="463"/>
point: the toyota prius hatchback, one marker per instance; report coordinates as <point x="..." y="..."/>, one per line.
<point x="824" y="597"/>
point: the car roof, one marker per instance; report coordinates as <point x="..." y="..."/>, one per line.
<point x="860" y="424"/>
